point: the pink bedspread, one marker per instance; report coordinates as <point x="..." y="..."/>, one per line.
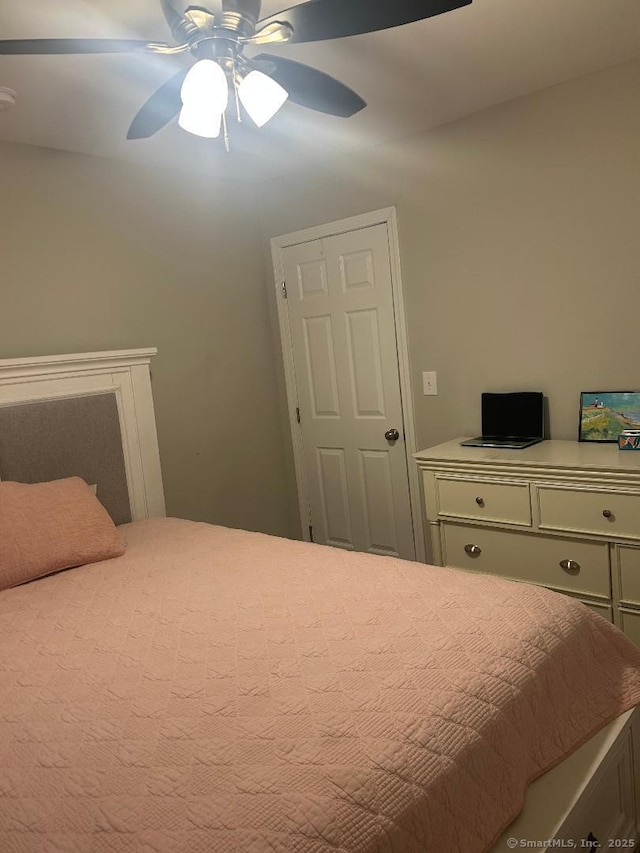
<point x="220" y="691"/>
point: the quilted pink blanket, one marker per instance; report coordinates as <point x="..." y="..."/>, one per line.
<point x="220" y="691"/>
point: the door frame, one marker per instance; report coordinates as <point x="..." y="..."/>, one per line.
<point x="386" y="216"/>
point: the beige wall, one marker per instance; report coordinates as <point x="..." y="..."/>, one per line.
<point x="99" y="255"/>
<point x="518" y="232"/>
<point x="519" y="240"/>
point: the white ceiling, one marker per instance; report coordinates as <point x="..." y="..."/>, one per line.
<point x="413" y="77"/>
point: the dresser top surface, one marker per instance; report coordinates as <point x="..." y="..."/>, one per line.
<point x="547" y="454"/>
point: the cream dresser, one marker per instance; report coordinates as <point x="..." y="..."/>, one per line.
<point x="563" y="514"/>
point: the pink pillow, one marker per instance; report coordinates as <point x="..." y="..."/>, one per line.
<point x="45" y="527"/>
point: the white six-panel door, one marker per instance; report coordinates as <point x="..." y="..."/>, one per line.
<point x="343" y="338"/>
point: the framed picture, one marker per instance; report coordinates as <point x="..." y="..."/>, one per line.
<point x="605" y="414"/>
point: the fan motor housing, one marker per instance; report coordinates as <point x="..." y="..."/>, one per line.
<point x="247" y="8"/>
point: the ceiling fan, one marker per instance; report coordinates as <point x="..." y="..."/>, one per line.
<point x="217" y="35"/>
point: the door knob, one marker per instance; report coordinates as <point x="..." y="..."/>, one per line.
<point x="392" y="435"/>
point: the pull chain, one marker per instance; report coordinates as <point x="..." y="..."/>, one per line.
<point x="225" y="133"/>
<point x="237" y="97"/>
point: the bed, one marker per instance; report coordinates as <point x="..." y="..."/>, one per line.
<point x="218" y="690"/>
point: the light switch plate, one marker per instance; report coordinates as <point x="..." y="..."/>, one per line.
<point x="429" y="383"/>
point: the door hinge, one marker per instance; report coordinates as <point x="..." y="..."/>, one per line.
<point x="311" y="533"/>
<point x="297" y="414"/>
<point x="284" y="289"/>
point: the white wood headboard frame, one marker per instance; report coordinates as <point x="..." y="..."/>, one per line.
<point x="125" y="373"/>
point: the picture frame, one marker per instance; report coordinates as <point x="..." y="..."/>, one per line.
<point x="605" y="414"/>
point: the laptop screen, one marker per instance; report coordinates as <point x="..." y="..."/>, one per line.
<point x="518" y="414"/>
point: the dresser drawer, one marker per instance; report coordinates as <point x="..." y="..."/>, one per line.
<point x="630" y="622"/>
<point x="484" y="500"/>
<point x="604" y="610"/>
<point x="629" y="568"/>
<point x="530" y="557"/>
<point x="602" y="512"/>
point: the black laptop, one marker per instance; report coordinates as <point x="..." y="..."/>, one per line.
<point x="511" y="421"/>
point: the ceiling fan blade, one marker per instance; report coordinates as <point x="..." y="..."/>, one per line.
<point x="312" y="88"/>
<point x="19" y="47"/>
<point x="272" y="34"/>
<point x="317" y="20"/>
<point x="162" y="106"/>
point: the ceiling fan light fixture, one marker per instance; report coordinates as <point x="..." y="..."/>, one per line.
<point x="206" y="85"/>
<point x="261" y="96"/>
<point x="200" y="120"/>
<point x="204" y="95"/>
<point x="221" y="30"/>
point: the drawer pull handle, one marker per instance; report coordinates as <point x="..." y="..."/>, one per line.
<point x="480" y="501"/>
<point x="473" y="550"/>
<point x="607" y="513"/>
<point x="570" y="566"/>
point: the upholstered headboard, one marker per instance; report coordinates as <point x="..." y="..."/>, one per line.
<point x="89" y="415"/>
